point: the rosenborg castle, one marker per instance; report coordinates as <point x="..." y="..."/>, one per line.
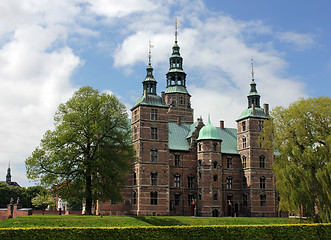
<point x="186" y="166"/>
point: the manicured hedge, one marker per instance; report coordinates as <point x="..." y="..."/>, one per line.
<point x="297" y="231"/>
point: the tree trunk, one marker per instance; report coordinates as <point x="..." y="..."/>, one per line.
<point x="88" y="195"/>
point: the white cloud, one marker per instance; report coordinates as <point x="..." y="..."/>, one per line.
<point x="114" y="8"/>
<point x="35" y="71"/>
<point x="217" y="52"/>
<point x="37" y="62"/>
<point x="298" y="40"/>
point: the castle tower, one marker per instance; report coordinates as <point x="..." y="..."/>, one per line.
<point x="176" y="94"/>
<point x="150" y="194"/>
<point x="210" y="177"/>
<point x="258" y="181"/>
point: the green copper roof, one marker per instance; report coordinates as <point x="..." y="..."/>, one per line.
<point x="153" y="100"/>
<point x="259" y="113"/>
<point x="209" y="131"/>
<point x="149" y="79"/>
<point x="176" y="70"/>
<point x="229" y="143"/>
<point x="192" y="129"/>
<point x="178" y="135"/>
<point x="176" y="89"/>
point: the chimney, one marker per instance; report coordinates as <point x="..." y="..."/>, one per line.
<point x="179" y="121"/>
<point x="163" y="97"/>
<point x="266" y="108"/>
<point x="222" y="124"/>
<point x="253" y="108"/>
<point x="145" y="95"/>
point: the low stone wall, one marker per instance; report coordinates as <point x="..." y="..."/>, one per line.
<point x="14" y="211"/>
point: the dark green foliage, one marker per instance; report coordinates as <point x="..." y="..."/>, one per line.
<point x="88" y="153"/>
<point x="311" y="232"/>
<point x="24" y="194"/>
<point x="301" y="134"/>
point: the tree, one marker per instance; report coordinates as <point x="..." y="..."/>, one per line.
<point x="23" y="195"/>
<point x="301" y="134"/>
<point x="89" y="153"/>
<point x="42" y="201"/>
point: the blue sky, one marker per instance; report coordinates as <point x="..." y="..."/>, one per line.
<point x="48" y="49"/>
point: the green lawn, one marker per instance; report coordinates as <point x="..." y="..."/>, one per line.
<point x="127" y="221"/>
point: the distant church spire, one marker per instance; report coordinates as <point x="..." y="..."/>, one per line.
<point x="8" y="176"/>
<point x="253" y="96"/>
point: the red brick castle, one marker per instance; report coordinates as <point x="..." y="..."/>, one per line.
<point x="186" y="167"/>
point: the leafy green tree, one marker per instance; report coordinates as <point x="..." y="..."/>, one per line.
<point x="301" y="134"/>
<point x="42" y="201"/>
<point x="24" y="195"/>
<point x="10" y="192"/>
<point x="29" y="193"/>
<point x="89" y="152"/>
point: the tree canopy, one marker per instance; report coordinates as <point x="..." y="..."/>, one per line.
<point x="89" y="152"/>
<point x="22" y="196"/>
<point x="42" y="201"/>
<point x="301" y="136"/>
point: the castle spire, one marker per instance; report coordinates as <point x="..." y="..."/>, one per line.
<point x="253" y="96"/>
<point x="149" y="83"/>
<point x="176" y="77"/>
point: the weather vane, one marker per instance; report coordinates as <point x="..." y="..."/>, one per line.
<point x="176" y="27"/>
<point x="150" y="51"/>
<point x="252" y="68"/>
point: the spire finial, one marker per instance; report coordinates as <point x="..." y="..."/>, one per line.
<point x="176" y="33"/>
<point x="150" y="52"/>
<point x="252" y="68"/>
<point x="208" y="117"/>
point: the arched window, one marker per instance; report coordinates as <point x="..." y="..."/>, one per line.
<point x="244" y="199"/>
<point x="243" y="126"/>
<point x="215" y="164"/>
<point x="263" y="200"/>
<point x="153" y="197"/>
<point x="215" y="177"/>
<point x="262" y="161"/>
<point x="262" y="182"/>
<point x="154" y="178"/>
<point x="215" y="196"/>
<point x="153" y="133"/>
<point x="190" y="181"/>
<point x="229" y="182"/>
<point x="244" y="161"/>
<point x="153" y="155"/>
<point x="177" y="199"/>
<point x="134" y="178"/>
<point x="215" y="213"/>
<point x="244" y="142"/>
<point x="229" y="162"/>
<point x="134" y="197"/>
<point x="173" y="81"/>
<point x="177" y="159"/>
<point x="177" y="181"/>
<point x="153" y="114"/>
